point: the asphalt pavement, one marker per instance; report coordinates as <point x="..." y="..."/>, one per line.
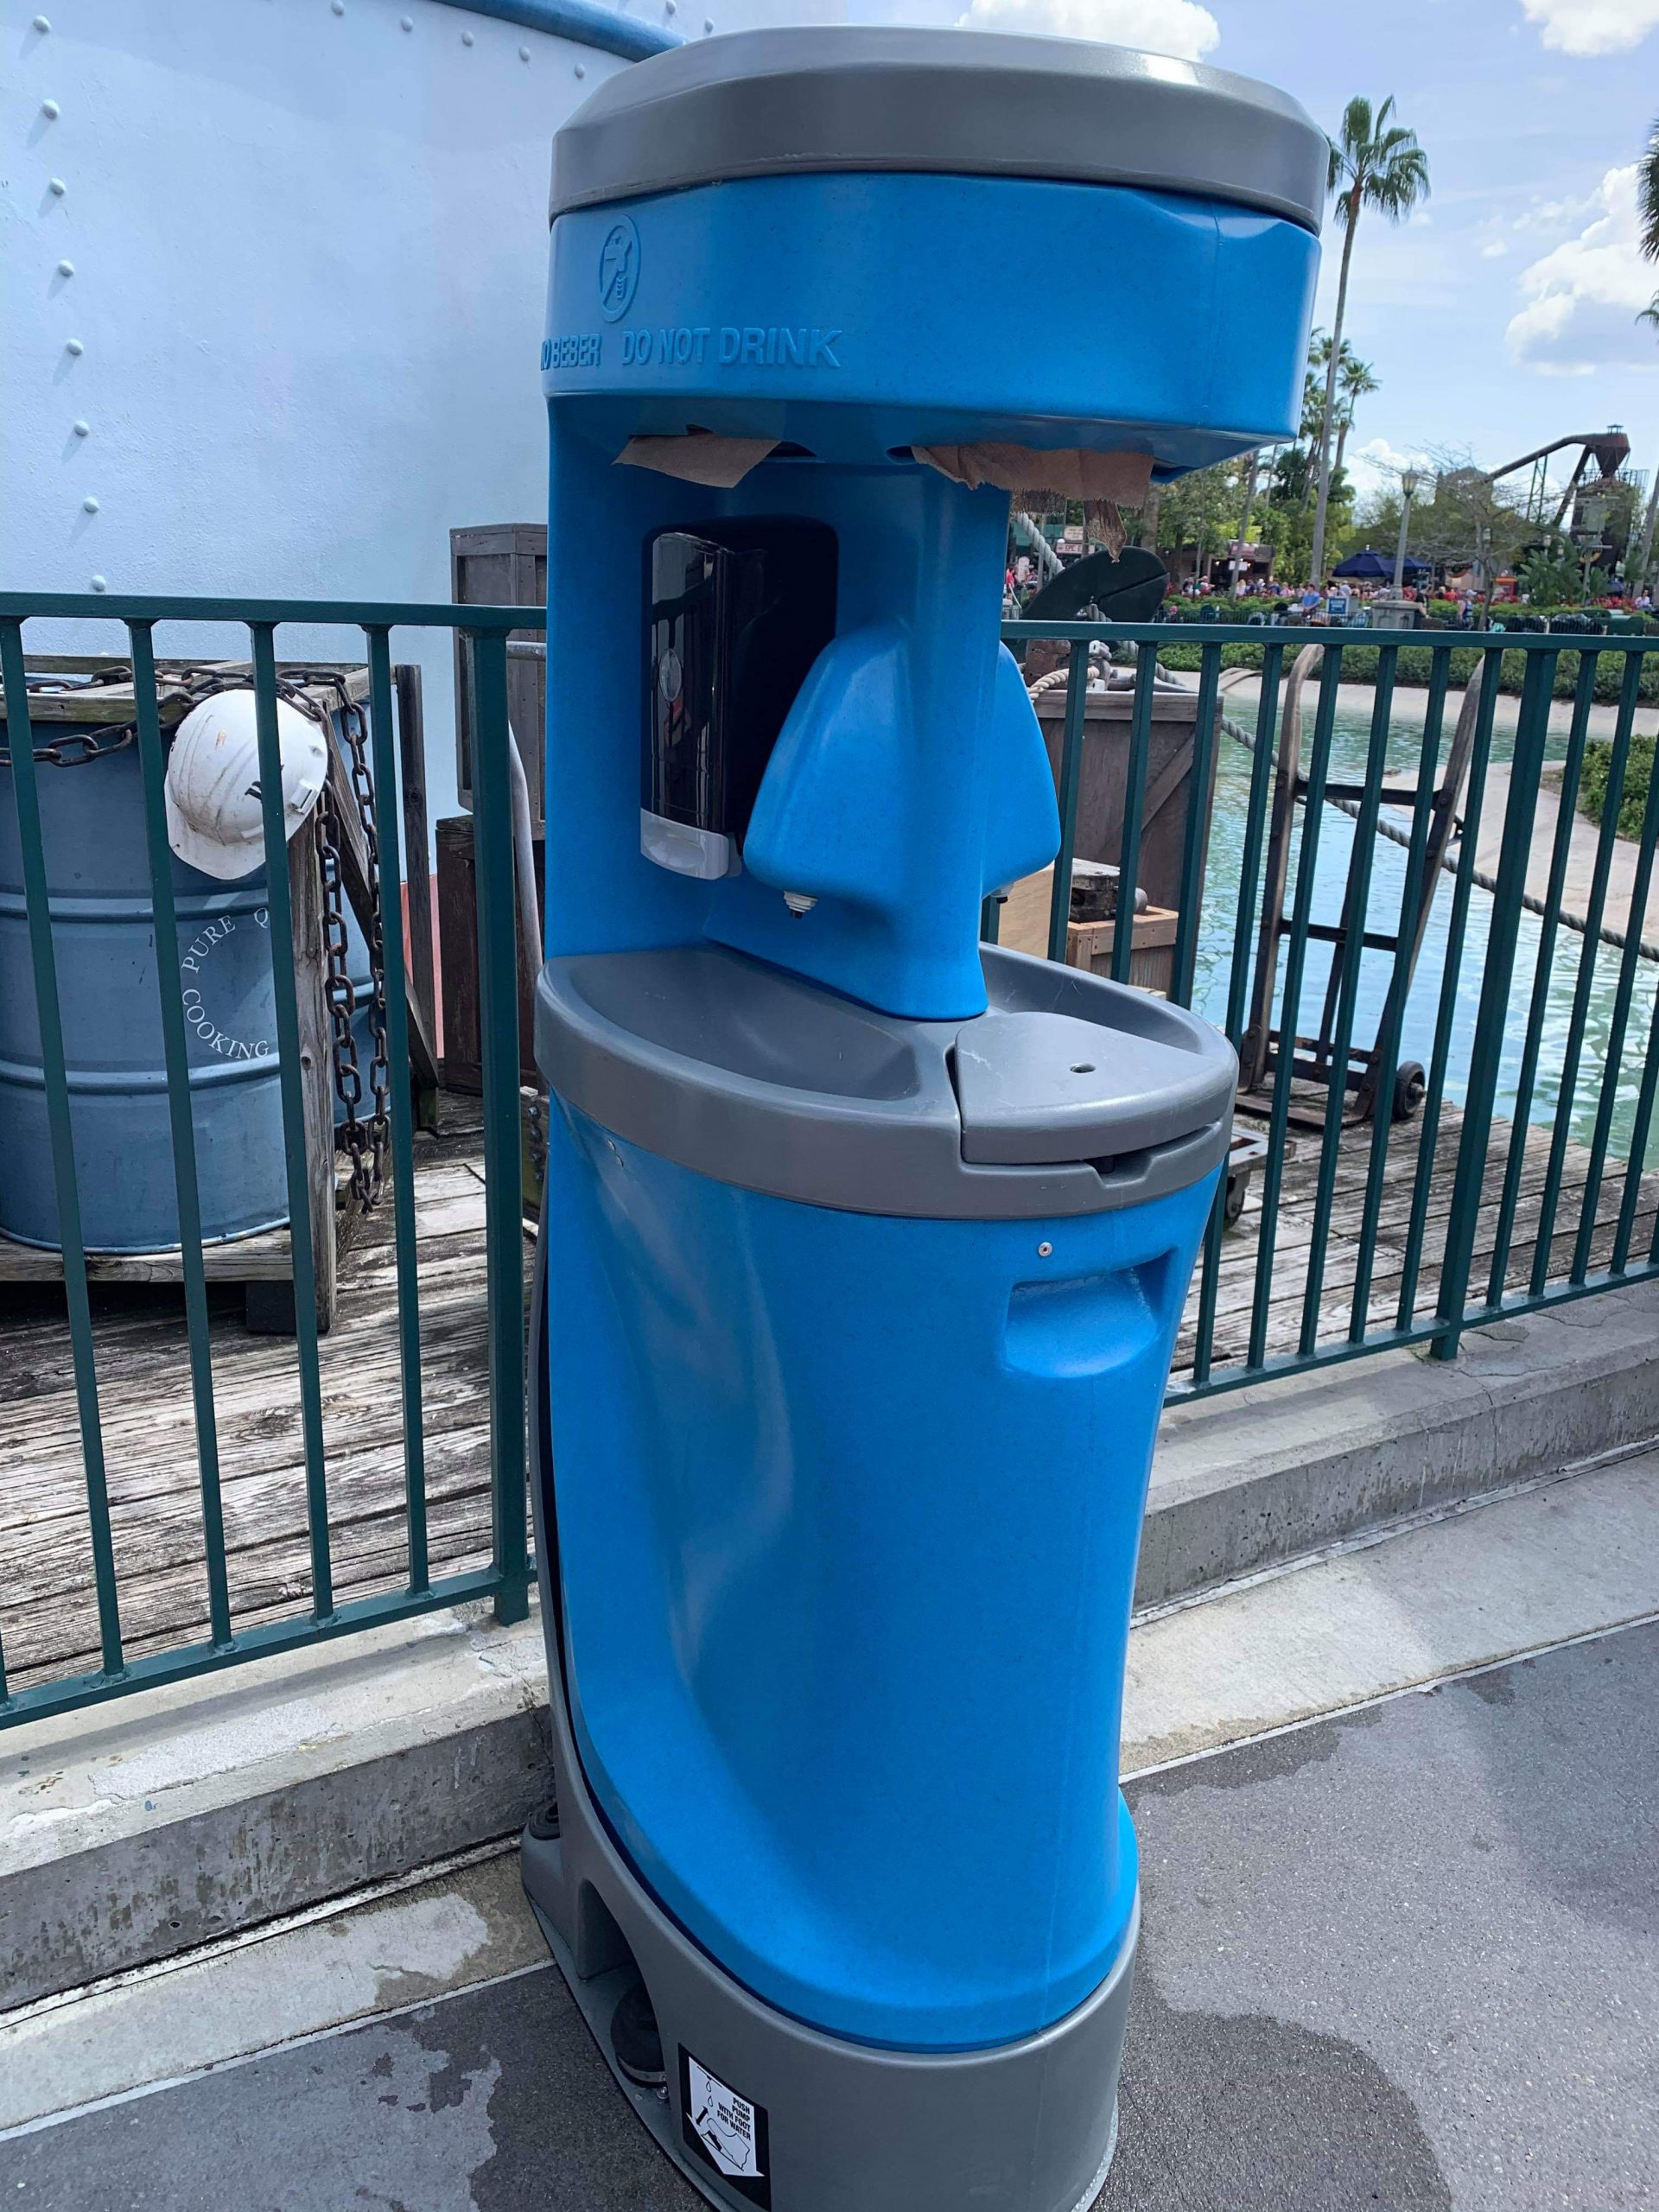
<point x="1407" y="1957"/>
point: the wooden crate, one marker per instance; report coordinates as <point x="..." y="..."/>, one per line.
<point x="1103" y="776"/>
<point x="503" y="564"/>
<point x="1023" y="928"/>
<point x="458" y="961"/>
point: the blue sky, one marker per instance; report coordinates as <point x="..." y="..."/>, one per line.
<point x="1504" y="314"/>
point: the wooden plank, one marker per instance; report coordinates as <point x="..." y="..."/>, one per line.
<point x="417" y="883"/>
<point x="114" y="701"/>
<point x="47" y="1610"/>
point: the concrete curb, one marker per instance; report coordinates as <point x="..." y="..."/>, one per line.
<point x="1255" y="1477"/>
<point x="145" y="1828"/>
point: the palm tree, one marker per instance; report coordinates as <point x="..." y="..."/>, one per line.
<point x="1374" y="163"/>
<point x="1357" y="382"/>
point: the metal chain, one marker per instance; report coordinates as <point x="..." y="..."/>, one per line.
<point x="77" y="747"/>
<point x="340" y="995"/>
<point x="355" y="731"/>
<point x="367" y="1142"/>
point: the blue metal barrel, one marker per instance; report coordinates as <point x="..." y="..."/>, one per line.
<point x="104" y="937"/>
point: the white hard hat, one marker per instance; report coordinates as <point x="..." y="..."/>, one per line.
<point x="214" y="818"/>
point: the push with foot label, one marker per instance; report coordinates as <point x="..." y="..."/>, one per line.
<point x="725" y="2129"/>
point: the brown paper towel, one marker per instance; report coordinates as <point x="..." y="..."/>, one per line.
<point x="1072" y="473"/>
<point x="699" y="457"/>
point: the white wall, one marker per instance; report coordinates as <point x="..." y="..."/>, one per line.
<point x="309" y="258"/>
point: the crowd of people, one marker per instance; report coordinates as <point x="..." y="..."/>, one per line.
<point x="1337" y="602"/>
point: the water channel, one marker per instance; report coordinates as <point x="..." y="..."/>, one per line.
<point x="1337" y="833"/>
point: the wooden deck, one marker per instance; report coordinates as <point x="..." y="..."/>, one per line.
<point x="48" y="1615"/>
<point x="48" y="1618"/>
<point x="1294" y="1242"/>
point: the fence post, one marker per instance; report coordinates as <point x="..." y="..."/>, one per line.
<point x="497" y="1001"/>
<point x="176" y="1051"/>
<point x="1059" y="903"/>
<point x="297" y="1086"/>
<point x="391" y="874"/>
<point x="25" y="789"/>
<point x="1462" y="1222"/>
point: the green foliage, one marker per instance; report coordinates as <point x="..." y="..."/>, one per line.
<point x="1467" y="518"/>
<point x="1638" y="775"/>
<point x="1201" y="510"/>
<point x="1647" y="186"/>
<point x="1376" y="163"/>
<point x="1551" y="577"/>
<point x="1413" y="665"/>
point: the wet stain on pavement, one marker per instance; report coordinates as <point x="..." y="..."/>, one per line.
<point x="1494" y="1689"/>
<point x="563" y="2137"/>
<point x="1246" y="1764"/>
<point x="1246" y="2113"/>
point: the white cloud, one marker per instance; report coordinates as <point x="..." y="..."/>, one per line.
<point x="1583" y="297"/>
<point x="1178" y="26"/>
<point x="1592" y="26"/>
<point x="1494" y="250"/>
<point x="1375" y="468"/>
<point x="1555" y="214"/>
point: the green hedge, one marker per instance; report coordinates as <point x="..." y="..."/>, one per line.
<point x="1412" y="668"/>
<point x="1638" y="774"/>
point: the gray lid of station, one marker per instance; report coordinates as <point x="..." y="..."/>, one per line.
<point x="1069" y="1094"/>
<point x="771" y="102"/>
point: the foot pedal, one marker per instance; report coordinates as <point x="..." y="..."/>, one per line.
<point x="636" y="2040"/>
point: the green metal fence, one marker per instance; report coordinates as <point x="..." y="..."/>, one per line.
<point x="1534" y="1020"/>
<point x="506" y="1581"/>
<point x="1517" y="985"/>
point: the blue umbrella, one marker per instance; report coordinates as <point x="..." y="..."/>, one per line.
<point x="1370" y="567"/>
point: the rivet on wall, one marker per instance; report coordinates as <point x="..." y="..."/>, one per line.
<point x="98" y="584"/>
<point x="50" y="109"/>
<point x="466" y="38"/>
<point x="42" y="22"/>
<point x="707" y="25"/>
<point x="83" y="429"/>
<point x="65" y="268"/>
<point x="523" y="54"/>
<point x="73" y="346"/>
<point x="406" y="23"/>
<point x="580" y="72"/>
<point x="56" y="187"/>
<point x="337" y="7"/>
<point x="89" y="505"/>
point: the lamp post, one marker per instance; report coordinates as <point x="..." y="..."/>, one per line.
<point x="1409" y="479"/>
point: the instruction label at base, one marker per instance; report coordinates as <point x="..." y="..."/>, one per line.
<point x="725" y="2129"/>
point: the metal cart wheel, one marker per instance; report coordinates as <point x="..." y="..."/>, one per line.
<point x="1410" y="1084"/>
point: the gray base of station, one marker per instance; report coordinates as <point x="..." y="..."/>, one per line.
<point x="835" y="2126"/>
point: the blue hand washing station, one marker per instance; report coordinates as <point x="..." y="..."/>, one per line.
<point x="865" y="1242"/>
